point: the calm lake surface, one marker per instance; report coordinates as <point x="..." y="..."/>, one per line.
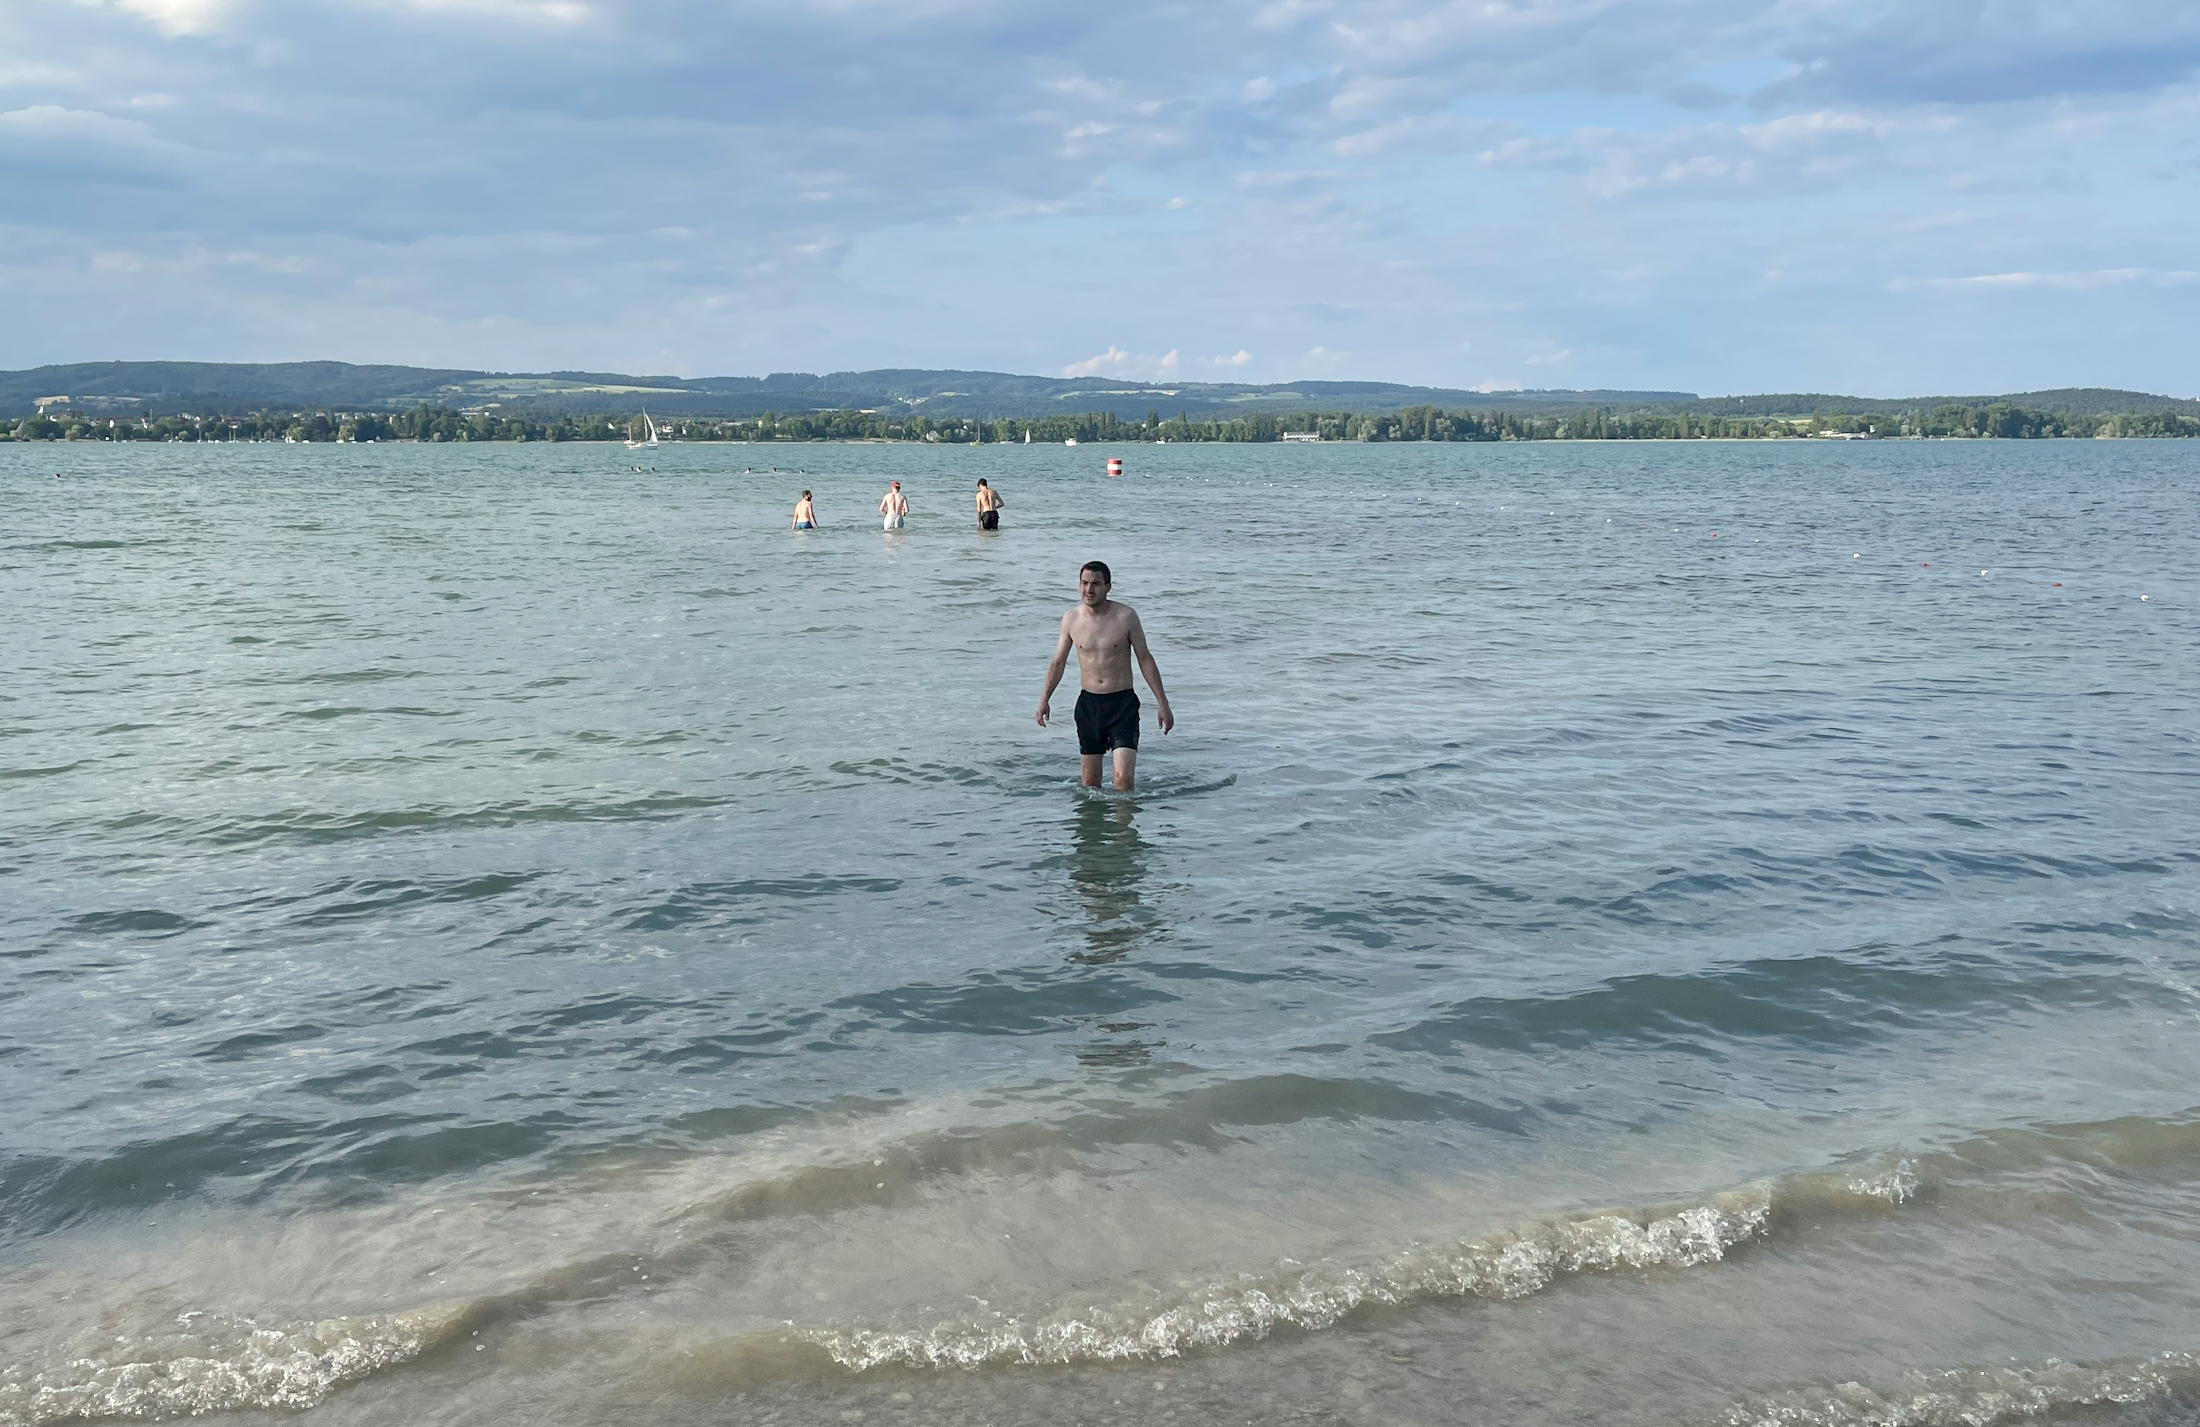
<point x="1648" y="934"/>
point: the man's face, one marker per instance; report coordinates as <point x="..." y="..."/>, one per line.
<point x="1091" y="588"/>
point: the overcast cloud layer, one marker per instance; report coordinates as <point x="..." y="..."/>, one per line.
<point x="1712" y="195"/>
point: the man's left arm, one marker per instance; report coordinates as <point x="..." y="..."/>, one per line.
<point x="1152" y="671"/>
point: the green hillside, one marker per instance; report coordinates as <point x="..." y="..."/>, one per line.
<point x="151" y="389"/>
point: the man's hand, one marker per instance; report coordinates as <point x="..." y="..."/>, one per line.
<point x="1166" y="719"/>
<point x="1042" y="715"/>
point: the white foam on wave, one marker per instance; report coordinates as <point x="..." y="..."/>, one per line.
<point x="1513" y="1264"/>
<point x="1975" y="1396"/>
<point x="1895" y="1185"/>
<point x="220" y="1364"/>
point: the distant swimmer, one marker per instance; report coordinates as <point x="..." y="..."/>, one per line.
<point x="989" y="506"/>
<point x="894" y="507"/>
<point x="805" y="514"/>
<point x="1106" y="636"/>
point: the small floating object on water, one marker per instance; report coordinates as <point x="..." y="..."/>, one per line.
<point x="1115" y="465"/>
<point x="1924" y="565"/>
<point x="1857" y="556"/>
<point x="2058" y="584"/>
<point x="2142" y="599"/>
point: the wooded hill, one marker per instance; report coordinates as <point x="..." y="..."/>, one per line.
<point x="144" y="389"/>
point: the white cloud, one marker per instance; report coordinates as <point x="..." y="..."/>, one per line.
<point x="1420" y="133"/>
<point x="1236" y="359"/>
<point x="2087" y="281"/>
<point x="86" y="145"/>
<point x="178" y="17"/>
<point x="1806" y="128"/>
<point x="540" y="12"/>
<point x="1115" y="362"/>
<point x="54" y="124"/>
<point x="1110" y="360"/>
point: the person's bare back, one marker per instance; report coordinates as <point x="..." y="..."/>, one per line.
<point x="1108" y="639"/>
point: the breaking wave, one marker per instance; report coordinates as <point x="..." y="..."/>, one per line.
<point x="1512" y="1264"/>
<point x="215" y="1363"/>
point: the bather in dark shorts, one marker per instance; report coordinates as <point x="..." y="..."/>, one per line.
<point x="1106" y="721"/>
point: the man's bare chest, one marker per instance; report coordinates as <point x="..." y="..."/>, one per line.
<point x="1100" y="638"/>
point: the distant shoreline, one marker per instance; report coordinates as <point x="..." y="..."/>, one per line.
<point x="441" y="425"/>
<point x="786" y="442"/>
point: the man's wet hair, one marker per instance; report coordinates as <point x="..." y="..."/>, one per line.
<point x="1107" y="576"/>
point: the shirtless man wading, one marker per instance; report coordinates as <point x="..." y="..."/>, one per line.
<point x="893" y="507"/>
<point x="1106" y="635"/>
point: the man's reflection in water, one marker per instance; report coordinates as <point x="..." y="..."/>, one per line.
<point x="1107" y="863"/>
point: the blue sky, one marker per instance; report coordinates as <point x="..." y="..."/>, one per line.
<point x="1706" y="195"/>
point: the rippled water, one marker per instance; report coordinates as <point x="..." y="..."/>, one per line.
<point x="1646" y="934"/>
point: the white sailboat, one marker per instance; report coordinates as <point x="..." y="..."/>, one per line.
<point x="633" y="445"/>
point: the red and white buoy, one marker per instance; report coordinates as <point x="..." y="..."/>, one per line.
<point x="1115" y="465"/>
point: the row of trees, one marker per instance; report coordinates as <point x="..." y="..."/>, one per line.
<point x="1416" y="423"/>
<point x="425" y="424"/>
<point x="2013" y="422"/>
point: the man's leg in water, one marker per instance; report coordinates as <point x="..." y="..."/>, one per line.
<point x="1126" y="769"/>
<point x="1089" y="769"/>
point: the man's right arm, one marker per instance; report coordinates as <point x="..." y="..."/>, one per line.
<point x="1055" y="666"/>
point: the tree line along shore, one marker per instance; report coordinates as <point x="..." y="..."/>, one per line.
<point x="1417" y="423"/>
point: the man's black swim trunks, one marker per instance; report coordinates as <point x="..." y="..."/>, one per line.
<point x="1106" y="721"/>
<point x="989" y="520"/>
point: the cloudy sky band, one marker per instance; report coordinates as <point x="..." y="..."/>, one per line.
<point x="1704" y="194"/>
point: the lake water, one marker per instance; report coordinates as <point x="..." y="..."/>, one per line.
<point x="1626" y="933"/>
